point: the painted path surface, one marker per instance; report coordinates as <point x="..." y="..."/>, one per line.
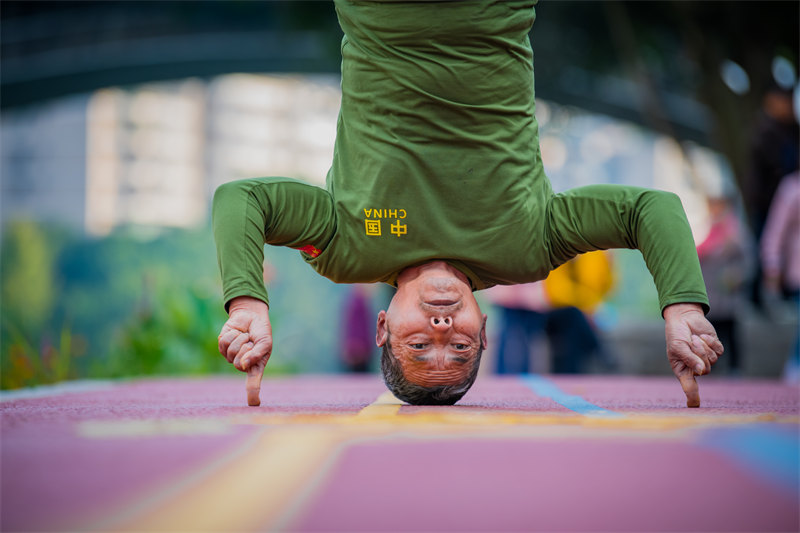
<point x="528" y="453"/>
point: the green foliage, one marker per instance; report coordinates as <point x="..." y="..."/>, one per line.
<point x="26" y="260"/>
<point x="24" y="365"/>
<point x="124" y="305"/>
<point x="174" y="332"/>
<point x="32" y="351"/>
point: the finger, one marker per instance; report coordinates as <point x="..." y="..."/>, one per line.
<point x="236" y="347"/>
<point x="690" y="387"/>
<point x="713" y="357"/>
<point x="237" y="361"/>
<point x="702" y="351"/>
<point x="260" y="352"/>
<point x="253" y="384"/>
<point x="681" y="354"/>
<point x="714" y="343"/>
<point x="685" y="365"/>
<point x="226" y="337"/>
<point x="710" y="354"/>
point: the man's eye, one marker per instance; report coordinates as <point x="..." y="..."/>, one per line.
<point x="418" y="346"/>
<point x="460" y="347"/>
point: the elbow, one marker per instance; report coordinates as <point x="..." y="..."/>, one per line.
<point x="656" y="212"/>
<point x="661" y="197"/>
<point x="661" y="203"/>
<point x="226" y="195"/>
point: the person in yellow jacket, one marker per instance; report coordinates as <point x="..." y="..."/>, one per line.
<point x="557" y="307"/>
<point x="583" y="282"/>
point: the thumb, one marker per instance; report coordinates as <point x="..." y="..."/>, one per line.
<point x="690" y="388"/>
<point x="253" y="384"/>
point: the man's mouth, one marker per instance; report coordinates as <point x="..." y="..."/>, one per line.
<point x="442" y="301"/>
<point x="441" y="306"/>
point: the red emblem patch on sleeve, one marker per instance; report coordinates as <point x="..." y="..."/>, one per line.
<point x="311" y="250"/>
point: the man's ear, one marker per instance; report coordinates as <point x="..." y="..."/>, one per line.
<point x="483" y="333"/>
<point x="382" y="332"/>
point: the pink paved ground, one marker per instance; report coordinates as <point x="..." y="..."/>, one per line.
<point x="320" y="455"/>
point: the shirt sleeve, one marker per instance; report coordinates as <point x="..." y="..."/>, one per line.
<point x="246" y="214"/>
<point x="600" y="217"/>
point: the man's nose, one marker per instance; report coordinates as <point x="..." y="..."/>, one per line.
<point x="441" y="323"/>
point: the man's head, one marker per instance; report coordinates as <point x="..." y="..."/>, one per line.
<point x="432" y="336"/>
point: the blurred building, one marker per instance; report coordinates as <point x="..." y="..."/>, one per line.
<point x="151" y="156"/>
<point x="43" y="162"/>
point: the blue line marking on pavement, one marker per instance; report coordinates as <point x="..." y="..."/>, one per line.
<point x="546" y="388"/>
<point x="771" y="450"/>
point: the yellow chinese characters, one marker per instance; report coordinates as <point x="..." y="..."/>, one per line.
<point x="374" y="218"/>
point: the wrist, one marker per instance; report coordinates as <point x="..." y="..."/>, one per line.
<point x="675" y="310"/>
<point x="246" y="303"/>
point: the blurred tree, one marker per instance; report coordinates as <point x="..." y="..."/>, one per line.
<point x="147" y="304"/>
<point x="172" y="332"/>
<point x="28" y="284"/>
<point x="33" y="348"/>
<point x="652" y="62"/>
<point x="75" y="307"/>
<point x="138" y="303"/>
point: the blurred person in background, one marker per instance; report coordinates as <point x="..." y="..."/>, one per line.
<point x="774" y="153"/>
<point x="559" y="307"/>
<point x="437" y="187"/>
<point x="357" y="330"/>
<point x="780" y="253"/>
<point x="723" y="258"/>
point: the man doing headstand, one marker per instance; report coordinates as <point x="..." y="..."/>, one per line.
<point x="437" y="187"/>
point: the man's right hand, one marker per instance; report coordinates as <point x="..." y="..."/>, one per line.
<point x="692" y="346"/>
<point x="246" y="341"/>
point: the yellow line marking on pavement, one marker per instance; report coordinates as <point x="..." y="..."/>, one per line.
<point x="388" y="413"/>
<point x="137" y="506"/>
<point x="256" y="487"/>
<point x="125" y="429"/>
<point x="385" y="405"/>
<point x="247" y="493"/>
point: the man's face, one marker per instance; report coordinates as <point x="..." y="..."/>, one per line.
<point x="436" y="327"/>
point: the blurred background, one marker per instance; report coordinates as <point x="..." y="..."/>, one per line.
<point x="119" y="120"/>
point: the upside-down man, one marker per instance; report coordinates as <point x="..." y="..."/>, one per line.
<point x="437" y="187"/>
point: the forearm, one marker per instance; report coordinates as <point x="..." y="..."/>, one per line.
<point x="239" y="232"/>
<point x="607" y="216"/>
<point x="249" y="213"/>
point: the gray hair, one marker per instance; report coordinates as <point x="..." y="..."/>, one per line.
<point x="415" y="394"/>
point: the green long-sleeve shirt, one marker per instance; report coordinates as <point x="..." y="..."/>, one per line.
<point x="437" y="157"/>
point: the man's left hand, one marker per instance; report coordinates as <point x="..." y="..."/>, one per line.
<point x="246" y="341"/>
<point x="692" y="346"/>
